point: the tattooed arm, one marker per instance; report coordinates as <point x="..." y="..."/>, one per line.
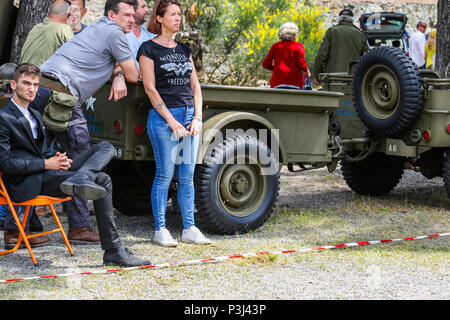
<point x="148" y="78"/>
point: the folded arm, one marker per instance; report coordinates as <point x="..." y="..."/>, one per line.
<point x="148" y="78"/>
<point x="125" y="70"/>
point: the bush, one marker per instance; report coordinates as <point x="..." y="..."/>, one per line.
<point x="240" y="33"/>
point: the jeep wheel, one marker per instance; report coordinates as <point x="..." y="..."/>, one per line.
<point x="132" y="181"/>
<point x="446" y="171"/>
<point x="387" y="91"/>
<point x="374" y="176"/>
<point x="236" y="191"/>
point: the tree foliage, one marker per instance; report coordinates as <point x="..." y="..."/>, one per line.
<point x="31" y="12"/>
<point x="239" y="33"/>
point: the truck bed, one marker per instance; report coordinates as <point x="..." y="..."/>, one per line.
<point x="258" y="98"/>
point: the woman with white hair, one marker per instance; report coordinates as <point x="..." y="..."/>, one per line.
<point x="286" y="59"/>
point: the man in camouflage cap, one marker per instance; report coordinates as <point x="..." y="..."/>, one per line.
<point x="342" y="44"/>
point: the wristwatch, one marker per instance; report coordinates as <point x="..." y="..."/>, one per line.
<point x="119" y="73"/>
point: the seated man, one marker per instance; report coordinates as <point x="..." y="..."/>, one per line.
<point x="27" y="172"/>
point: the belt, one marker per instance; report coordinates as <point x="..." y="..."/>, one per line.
<point x="50" y="76"/>
<point x="52" y="82"/>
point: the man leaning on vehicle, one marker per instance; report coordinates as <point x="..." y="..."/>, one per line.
<point x="75" y="72"/>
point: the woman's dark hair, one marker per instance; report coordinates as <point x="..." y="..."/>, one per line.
<point x="114" y="5"/>
<point x="159" y="9"/>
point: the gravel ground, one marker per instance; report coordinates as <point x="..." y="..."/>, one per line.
<point x="314" y="208"/>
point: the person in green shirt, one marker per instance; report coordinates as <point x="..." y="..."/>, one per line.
<point x="342" y="44"/>
<point x="46" y="37"/>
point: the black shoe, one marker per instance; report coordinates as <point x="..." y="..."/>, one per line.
<point x="123" y="257"/>
<point x="35" y="223"/>
<point x="79" y="185"/>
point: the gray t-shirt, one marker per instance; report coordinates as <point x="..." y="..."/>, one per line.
<point x="86" y="62"/>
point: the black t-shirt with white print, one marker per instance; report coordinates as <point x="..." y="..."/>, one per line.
<point x="172" y="72"/>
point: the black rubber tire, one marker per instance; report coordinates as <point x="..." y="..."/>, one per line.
<point x="376" y="175"/>
<point x="387" y="91"/>
<point x="132" y="182"/>
<point x="216" y="213"/>
<point x="446" y="171"/>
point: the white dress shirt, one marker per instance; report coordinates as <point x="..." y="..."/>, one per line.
<point x="417" y="44"/>
<point x="27" y="114"/>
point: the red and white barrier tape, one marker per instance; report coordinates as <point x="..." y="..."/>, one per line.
<point x="223" y="258"/>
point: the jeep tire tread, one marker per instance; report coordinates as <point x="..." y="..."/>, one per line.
<point x="374" y="176"/>
<point x="221" y="186"/>
<point x="387" y="91"/>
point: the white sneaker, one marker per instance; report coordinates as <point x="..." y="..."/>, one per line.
<point x="163" y="238"/>
<point x="193" y="235"/>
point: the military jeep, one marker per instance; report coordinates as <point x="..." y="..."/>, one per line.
<point x="248" y="134"/>
<point x="380" y="118"/>
<point x="392" y="117"/>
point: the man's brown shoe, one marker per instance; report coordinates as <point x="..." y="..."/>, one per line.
<point x="11" y="237"/>
<point x="83" y="235"/>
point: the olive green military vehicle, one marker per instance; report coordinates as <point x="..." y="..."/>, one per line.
<point x="392" y="117"/>
<point x="379" y="119"/>
<point x="248" y="134"/>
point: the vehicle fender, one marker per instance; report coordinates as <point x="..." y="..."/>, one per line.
<point x="223" y="120"/>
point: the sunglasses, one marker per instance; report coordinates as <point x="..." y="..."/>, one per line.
<point x="70" y="6"/>
<point x="169" y="2"/>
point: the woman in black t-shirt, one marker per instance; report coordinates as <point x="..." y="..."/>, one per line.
<point x="175" y="121"/>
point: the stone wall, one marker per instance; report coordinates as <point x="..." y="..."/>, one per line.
<point x="95" y="10"/>
<point x="415" y="9"/>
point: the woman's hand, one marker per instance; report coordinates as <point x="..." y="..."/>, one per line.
<point x="308" y="73"/>
<point x="195" y="127"/>
<point x="178" y="130"/>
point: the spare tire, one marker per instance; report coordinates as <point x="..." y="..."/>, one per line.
<point x="387" y="91"/>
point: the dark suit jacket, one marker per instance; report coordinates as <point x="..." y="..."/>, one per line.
<point x="21" y="156"/>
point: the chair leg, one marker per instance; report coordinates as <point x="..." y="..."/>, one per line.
<point x="25" y="238"/>
<point x="63" y="234"/>
<point x="22" y="235"/>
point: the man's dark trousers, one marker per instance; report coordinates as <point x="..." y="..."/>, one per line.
<point x="90" y="163"/>
<point x="74" y="142"/>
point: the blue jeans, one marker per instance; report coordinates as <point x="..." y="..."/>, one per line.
<point x="170" y="154"/>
